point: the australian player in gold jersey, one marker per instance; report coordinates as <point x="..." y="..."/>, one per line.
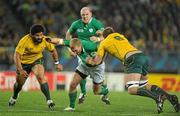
<point x="135" y="66"/>
<point x="28" y="57"/>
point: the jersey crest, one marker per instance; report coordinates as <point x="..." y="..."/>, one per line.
<point x="90" y="30"/>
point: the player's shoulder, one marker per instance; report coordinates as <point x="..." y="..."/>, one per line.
<point x="25" y="37"/>
<point x="114" y="35"/>
<point x="23" y="40"/>
<point x="86" y="41"/>
<point x="97" y="23"/>
<point x="93" y="20"/>
<point x="77" y="22"/>
<point x="120" y="35"/>
<point x="103" y="42"/>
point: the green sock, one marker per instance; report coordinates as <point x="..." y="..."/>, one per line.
<point x="45" y="90"/>
<point x="17" y="89"/>
<point x="158" y="90"/>
<point x="72" y="99"/>
<point x="83" y="86"/>
<point x="104" y="85"/>
<point x="104" y="90"/>
<point x="146" y="93"/>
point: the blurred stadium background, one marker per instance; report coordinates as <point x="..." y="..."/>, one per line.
<point x="153" y="26"/>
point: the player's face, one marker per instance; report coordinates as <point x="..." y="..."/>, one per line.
<point x="86" y="16"/>
<point x="76" y="49"/>
<point x="37" y="37"/>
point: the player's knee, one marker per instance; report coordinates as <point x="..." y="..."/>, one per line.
<point x="132" y="87"/>
<point x="96" y="92"/>
<point x="133" y="90"/>
<point x="20" y="82"/>
<point x="143" y="83"/>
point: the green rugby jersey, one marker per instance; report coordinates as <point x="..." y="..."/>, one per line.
<point x="85" y="31"/>
<point x="89" y="49"/>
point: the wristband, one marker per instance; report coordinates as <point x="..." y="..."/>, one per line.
<point x="57" y="62"/>
<point x="61" y="41"/>
<point x="98" y="39"/>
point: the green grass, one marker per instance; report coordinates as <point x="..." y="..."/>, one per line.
<point x="33" y="104"/>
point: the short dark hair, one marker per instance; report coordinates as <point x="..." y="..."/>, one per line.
<point x="107" y="31"/>
<point x="37" y="28"/>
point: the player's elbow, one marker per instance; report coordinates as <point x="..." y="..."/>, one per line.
<point x="68" y="35"/>
<point x="16" y="56"/>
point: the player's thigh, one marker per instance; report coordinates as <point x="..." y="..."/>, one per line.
<point x="19" y="79"/>
<point x="132" y="77"/>
<point x="83" y="70"/>
<point x="38" y="70"/>
<point x="132" y="82"/>
<point x="98" y="74"/>
<point x="137" y="63"/>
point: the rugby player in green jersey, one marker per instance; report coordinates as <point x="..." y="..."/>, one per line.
<point x="83" y="49"/>
<point x="87" y="28"/>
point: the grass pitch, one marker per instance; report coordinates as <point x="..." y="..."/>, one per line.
<point x="122" y="104"/>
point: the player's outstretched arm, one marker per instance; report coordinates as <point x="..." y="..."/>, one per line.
<point x="94" y="61"/>
<point x="68" y="35"/>
<point x="98" y="38"/>
<point x="100" y="35"/>
<point x="58" y="66"/>
<point x="57" y="41"/>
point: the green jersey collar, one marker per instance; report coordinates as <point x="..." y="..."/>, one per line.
<point x="88" y="22"/>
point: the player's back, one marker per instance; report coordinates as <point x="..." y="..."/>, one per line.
<point x="117" y="45"/>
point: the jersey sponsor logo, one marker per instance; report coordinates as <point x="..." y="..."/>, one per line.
<point x="80" y="30"/>
<point x="171" y="84"/>
<point x="91" y="30"/>
<point x="118" y="38"/>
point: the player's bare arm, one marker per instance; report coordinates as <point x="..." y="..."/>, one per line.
<point x="58" y="66"/>
<point x="57" y="41"/>
<point x="97" y="38"/>
<point x="100" y="35"/>
<point x="94" y="61"/>
<point x="68" y="35"/>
